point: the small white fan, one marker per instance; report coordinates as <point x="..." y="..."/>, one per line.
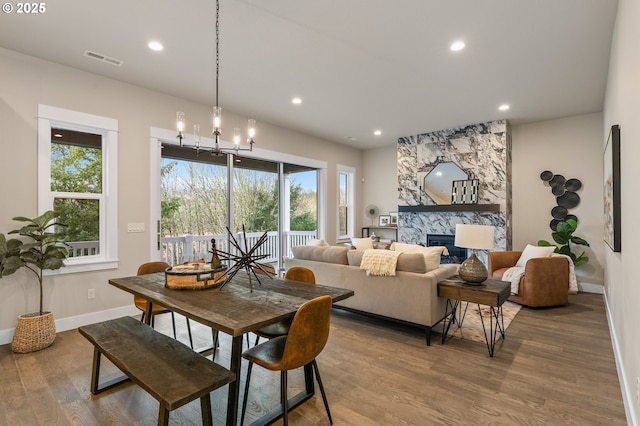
<point x="372" y="212"/>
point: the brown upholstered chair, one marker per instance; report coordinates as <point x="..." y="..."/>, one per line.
<point x="296" y="273"/>
<point x="141" y="303"/>
<point x="300" y="273"/>
<point x="545" y="281"/>
<point x="307" y="337"/>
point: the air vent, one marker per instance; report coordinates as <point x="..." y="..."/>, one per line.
<point x="103" y="58"/>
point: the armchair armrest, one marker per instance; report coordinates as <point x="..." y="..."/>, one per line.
<point x="502" y="259"/>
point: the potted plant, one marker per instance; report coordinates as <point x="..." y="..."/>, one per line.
<point x="40" y="248"/>
<point x="564" y="237"/>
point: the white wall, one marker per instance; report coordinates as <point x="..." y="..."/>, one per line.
<point x="622" y="286"/>
<point x="26" y="82"/>
<point x="571" y="147"/>
<point x="379" y="185"/>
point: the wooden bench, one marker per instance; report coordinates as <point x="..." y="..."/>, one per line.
<point x="167" y="369"/>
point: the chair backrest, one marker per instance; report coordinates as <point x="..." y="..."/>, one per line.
<point x="148" y="268"/>
<point x="300" y="273"/>
<point x="152" y="267"/>
<point x="308" y="333"/>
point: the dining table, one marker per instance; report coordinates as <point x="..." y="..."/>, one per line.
<point x="240" y="306"/>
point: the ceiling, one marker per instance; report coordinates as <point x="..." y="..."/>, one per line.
<point x="357" y="65"/>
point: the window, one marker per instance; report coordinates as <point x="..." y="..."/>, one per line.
<point x="264" y="190"/>
<point x="346" y="201"/>
<point x="78" y="179"/>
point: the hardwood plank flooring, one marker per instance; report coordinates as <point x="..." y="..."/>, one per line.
<point x="555" y="367"/>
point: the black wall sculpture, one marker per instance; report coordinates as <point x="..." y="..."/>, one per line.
<point x="566" y="193"/>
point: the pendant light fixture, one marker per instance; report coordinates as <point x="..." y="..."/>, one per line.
<point x="217" y="117"/>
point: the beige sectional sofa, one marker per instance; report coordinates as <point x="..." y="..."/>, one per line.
<point x="411" y="296"/>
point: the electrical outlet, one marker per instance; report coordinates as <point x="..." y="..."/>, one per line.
<point x="91" y="293"/>
<point x="135" y="227"/>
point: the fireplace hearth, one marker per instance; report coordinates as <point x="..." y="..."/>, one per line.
<point x="456" y="254"/>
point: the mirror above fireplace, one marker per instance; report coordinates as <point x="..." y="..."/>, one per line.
<point x="438" y="182"/>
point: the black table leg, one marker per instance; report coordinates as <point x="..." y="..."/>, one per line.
<point x="234" y="387"/>
<point x="495" y="314"/>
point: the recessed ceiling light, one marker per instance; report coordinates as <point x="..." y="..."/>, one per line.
<point x="503" y="107"/>
<point x="296" y="101"/>
<point x="377" y="132"/>
<point x="457" y="45"/>
<point x="156" y="46"/>
<point x="350" y="138"/>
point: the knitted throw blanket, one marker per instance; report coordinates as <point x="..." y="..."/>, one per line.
<point x="514" y="274"/>
<point x="380" y="262"/>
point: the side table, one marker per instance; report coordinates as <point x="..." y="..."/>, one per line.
<point x="492" y="293"/>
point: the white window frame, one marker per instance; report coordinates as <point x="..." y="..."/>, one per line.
<point x="351" y="202"/>
<point x="48" y="117"/>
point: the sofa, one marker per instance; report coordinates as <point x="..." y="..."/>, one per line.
<point x="410" y="297"/>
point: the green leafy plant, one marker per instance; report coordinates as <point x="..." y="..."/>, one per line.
<point x="40" y="249"/>
<point x="564" y="237"/>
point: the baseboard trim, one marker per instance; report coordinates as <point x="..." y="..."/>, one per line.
<point x="71" y="323"/>
<point x="590" y="288"/>
<point x="625" y="386"/>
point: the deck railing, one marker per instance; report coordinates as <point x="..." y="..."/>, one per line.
<point x="82" y="248"/>
<point x="187" y="248"/>
<point x="191" y="247"/>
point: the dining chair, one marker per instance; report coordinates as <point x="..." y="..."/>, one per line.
<point x="307" y="337"/>
<point x="141" y="303"/>
<point x="296" y="273"/>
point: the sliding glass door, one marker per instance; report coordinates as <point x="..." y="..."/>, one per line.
<point x="202" y="195"/>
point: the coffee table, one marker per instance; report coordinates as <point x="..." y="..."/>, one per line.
<point x="492" y="293"/>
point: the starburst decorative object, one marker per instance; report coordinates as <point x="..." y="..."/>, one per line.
<point x="247" y="260"/>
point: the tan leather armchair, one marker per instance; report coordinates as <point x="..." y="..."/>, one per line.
<point x="545" y="281"/>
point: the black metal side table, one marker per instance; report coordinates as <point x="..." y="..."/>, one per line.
<point x="492" y="293"/>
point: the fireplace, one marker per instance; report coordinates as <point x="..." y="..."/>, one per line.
<point x="456" y="254"/>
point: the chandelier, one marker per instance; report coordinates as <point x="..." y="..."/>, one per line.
<point x="217" y="117"/>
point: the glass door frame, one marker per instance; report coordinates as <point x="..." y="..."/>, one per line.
<point x="159" y="136"/>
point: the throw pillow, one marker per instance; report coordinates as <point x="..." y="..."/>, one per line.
<point x="531" y="252"/>
<point x="327" y="254"/>
<point x="362" y="243"/>
<point x="431" y="254"/>
<point x="355" y="257"/>
<point x="411" y="262"/>
<point x="316" y="242"/>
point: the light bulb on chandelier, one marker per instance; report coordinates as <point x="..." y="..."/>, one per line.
<point x="217" y="116"/>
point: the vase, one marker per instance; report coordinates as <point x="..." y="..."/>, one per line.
<point x="34" y="331"/>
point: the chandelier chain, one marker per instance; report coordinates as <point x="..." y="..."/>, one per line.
<point x="217" y="47"/>
<point x="216" y="149"/>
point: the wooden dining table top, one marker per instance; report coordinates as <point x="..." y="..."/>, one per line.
<point x="233" y="309"/>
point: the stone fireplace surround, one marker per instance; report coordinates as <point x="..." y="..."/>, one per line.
<point x="483" y="151"/>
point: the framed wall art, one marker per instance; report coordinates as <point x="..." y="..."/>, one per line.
<point x="384" y="220"/>
<point x="394" y="219"/>
<point x="465" y="191"/>
<point x="612" y="200"/>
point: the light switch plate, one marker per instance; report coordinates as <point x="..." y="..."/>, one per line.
<point x="135" y="227"/>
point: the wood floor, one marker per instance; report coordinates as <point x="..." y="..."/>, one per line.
<point x="555" y="367"/>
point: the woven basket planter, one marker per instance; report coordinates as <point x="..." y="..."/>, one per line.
<point x="33" y="332"/>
